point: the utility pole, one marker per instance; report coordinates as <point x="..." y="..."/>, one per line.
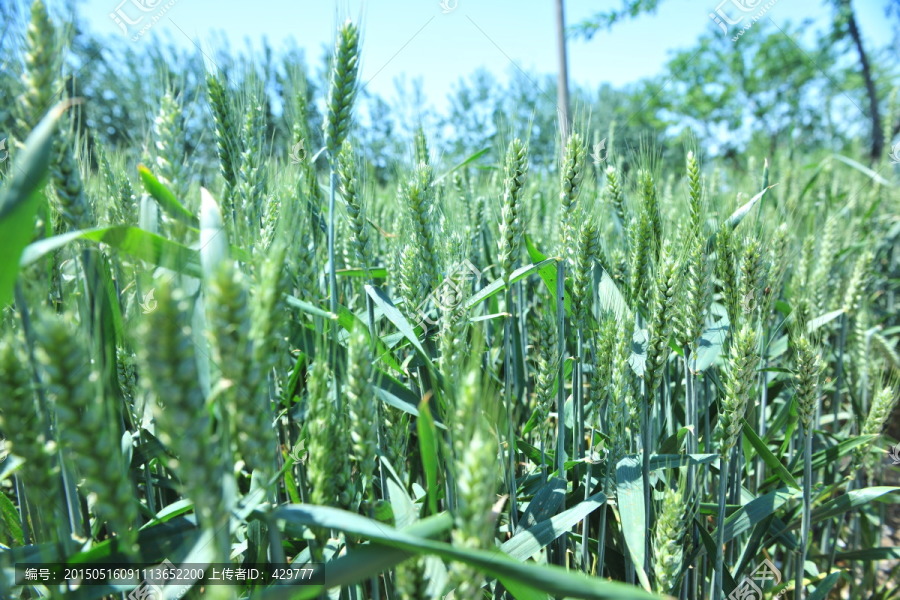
<point x="562" y="93"/>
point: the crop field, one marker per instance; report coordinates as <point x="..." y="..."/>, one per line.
<point x="621" y="370"/>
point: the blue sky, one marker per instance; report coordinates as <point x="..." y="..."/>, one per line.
<point x="416" y="39"/>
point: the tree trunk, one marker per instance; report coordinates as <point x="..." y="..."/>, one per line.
<point x="877" y="131"/>
<point x="562" y="94"/>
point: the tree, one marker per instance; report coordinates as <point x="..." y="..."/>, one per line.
<point x="845" y="25"/>
<point x="606" y="19"/>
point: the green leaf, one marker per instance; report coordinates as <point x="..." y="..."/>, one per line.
<point x="404" y="511"/>
<point x="109" y="306"/>
<point x="363" y="562"/>
<point x="610" y="297"/>
<point x="474" y="157"/>
<point x="523" y="592"/>
<point x="770" y="459"/>
<point x="498" y="286"/>
<point x="545" y="503"/>
<point x="737" y="216"/>
<point x="676" y="461"/>
<point x="166" y="199"/>
<point x="882" y="553"/>
<point x="630" y="498"/>
<point x="352" y="322"/>
<point x="310" y="308"/>
<point x="823" y="319"/>
<point x="170" y="539"/>
<point x="138" y="243"/>
<point x="821" y="591"/>
<point x="213" y="239"/>
<point x="550" y="579"/>
<point x="638" y="358"/>
<point x="673" y="443"/>
<point x="429" y="451"/>
<point x="710" y="346"/>
<point x="863" y="169"/>
<point x="396" y="317"/>
<point x="755" y="511"/>
<point x="11" y="521"/>
<point x="833" y="454"/>
<point x="20" y="201"/>
<point x="533" y="453"/>
<point x="548" y="272"/>
<point x="526" y="544"/>
<point x="349" y="322"/>
<point x="849" y="501"/>
<point x="376" y="272"/>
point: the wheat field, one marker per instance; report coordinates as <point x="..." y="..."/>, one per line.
<point x="596" y="378"/>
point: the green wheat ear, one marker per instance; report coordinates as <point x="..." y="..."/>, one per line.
<point x="546" y="362"/>
<point x="651" y="205"/>
<point x="342" y="91"/>
<point x="252" y="177"/>
<point x="856" y="285"/>
<point x="363" y="411"/>
<point x="28" y="437"/>
<point x="691" y="310"/>
<point x="348" y="177"/>
<point x="42" y="64"/>
<point x="181" y="413"/>
<point x="695" y="297"/>
<point x="410" y="580"/>
<point x="228" y="145"/>
<point x="84" y="423"/>
<point x="571" y="177"/>
<point x="808" y="368"/>
<point x="726" y="270"/>
<point x="168" y="129"/>
<point x="695" y="195"/>
<point x="512" y="219"/>
<point x="329" y="445"/>
<point x="640" y="244"/>
<point x="228" y="330"/>
<point x="883" y="404"/>
<point x="585" y="251"/>
<point x="73" y="205"/>
<point x="476" y="464"/>
<point x="739" y="382"/>
<point x="621" y="403"/>
<point x="421" y="147"/>
<point x="615" y="196"/>
<point x="667" y="286"/>
<point x="668" y="540"/>
<point x="754" y="274"/>
<point x="418" y="260"/>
